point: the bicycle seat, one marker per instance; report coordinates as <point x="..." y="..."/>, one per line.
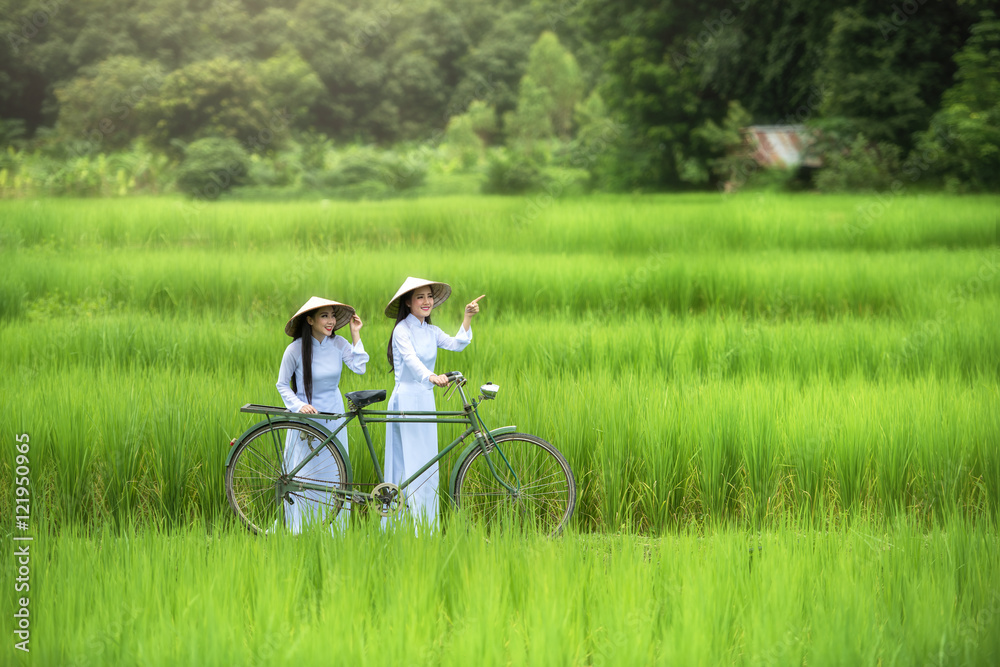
<point x="362" y="398"/>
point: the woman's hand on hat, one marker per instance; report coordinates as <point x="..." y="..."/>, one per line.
<point x="308" y="410"/>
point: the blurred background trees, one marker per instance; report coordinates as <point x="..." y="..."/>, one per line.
<point x="562" y="94"/>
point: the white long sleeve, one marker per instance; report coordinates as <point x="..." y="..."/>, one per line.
<point x="355" y="357"/>
<point x="455" y="343"/>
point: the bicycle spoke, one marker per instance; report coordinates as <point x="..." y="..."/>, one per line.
<point x="274" y="470"/>
<point x="257" y="494"/>
<point x="278" y="447"/>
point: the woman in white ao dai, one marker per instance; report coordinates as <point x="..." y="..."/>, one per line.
<point x="316" y="375"/>
<point x="412" y="353"/>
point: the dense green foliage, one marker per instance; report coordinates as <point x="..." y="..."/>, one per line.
<point x="964" y="136"/>
<point x="211" y="165"/>
<point x="537" y="75"/>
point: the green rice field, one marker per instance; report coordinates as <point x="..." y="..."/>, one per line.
<point x="783" y="414"/>
<point x="868" y="594"/>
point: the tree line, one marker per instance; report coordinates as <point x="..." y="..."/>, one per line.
<point x="638" y="94"/>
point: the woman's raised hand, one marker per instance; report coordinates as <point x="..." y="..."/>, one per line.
<point x="356" y="325"/>
<point x="473" y="307"/>
<point x="470" y="310"/>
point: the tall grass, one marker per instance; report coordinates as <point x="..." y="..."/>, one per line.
<point x="604" y="224"/>
<point x="765" y="285"/>
<point x="867" y="594"/>
<point x="699" y="360"/>
<point x="144" y="439"/>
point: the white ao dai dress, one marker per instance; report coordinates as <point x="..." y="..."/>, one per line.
<point x="409" y="446"/>
<point x="329" y="358"/>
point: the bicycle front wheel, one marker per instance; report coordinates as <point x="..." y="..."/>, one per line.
<point x="544" y="491"/>
<point x="263" y="493"/>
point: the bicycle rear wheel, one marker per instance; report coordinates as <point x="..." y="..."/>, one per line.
<point x="257" y="479"/>
<point x="544" y="489"/>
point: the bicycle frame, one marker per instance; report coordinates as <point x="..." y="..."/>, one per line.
<point x="469" y="415"/>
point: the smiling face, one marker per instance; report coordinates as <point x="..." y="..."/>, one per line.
<point x="322" y="322"/>
<point x="421" y="302"/>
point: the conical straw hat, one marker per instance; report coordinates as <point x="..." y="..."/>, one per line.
<point x="440" y="291"/>
<point x="341" y="311"/>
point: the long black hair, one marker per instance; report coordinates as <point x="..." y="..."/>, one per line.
<point x="304" y="334"/>
<point x="404" y="310"/>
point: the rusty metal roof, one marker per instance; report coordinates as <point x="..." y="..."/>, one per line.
<point x="780" y="145"/>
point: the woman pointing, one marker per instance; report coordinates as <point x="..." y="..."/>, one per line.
<point x="412" y="352"/>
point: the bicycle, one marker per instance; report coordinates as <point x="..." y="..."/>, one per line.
<point x="501" y="476"/>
